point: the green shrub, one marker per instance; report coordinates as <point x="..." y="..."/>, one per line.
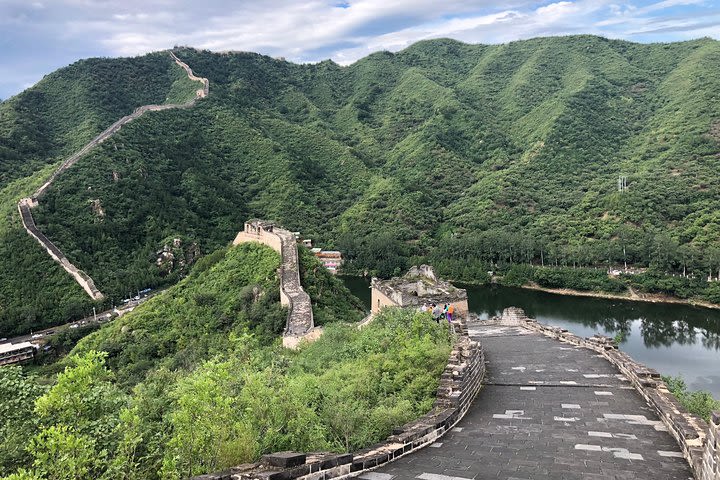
<point x="699" y="403"/>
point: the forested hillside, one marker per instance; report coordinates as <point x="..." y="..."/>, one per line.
<point x="472" y="157"/>
<point x="38" y="129"/>
<point x="196" y="380"/>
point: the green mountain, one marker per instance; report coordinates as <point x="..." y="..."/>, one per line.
<point x="469" y="156"/>
<point x="38" y="129"/>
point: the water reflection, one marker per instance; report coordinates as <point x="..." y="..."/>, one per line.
<point x="672" y="338"/>
<point x="659" y="324"/>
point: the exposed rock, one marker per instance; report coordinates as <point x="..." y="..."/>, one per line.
<point x="97" y="208"/>
<point x="175" y="256"/>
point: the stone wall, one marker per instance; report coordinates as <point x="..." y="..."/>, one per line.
<point x="378" y="300"/>
<point x="687" y="429"/>
<point x="300" y="323"/>
<point x="272" y="241"/>
<point x="419" y="286"/>
<point x="459" y="384"/>
<point x="710" y="469"/>
<point x="25" y="204"/>
<point x="82" y="278"/>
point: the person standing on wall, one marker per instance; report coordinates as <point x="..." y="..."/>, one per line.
<point x="436" y="312"/>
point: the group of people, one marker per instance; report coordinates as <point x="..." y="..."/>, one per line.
<point x="439" y="312"/>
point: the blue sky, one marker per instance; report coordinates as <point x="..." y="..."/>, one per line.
<point x="39" y="36"/>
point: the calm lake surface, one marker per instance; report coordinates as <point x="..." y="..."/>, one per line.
<point x="671" y="338"/>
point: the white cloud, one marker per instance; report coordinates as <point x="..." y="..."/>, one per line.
<point x="316" y="29"/>
<point x="555" y="10"/>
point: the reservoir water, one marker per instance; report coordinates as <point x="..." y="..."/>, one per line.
<point x="673" y="339"/>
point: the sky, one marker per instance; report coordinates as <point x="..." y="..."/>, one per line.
<point x="40" y="36"/>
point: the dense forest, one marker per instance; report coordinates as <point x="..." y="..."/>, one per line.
<point x="196" y="380"/>
<point x="38" y="129"/>
<point x="472" y="157"/>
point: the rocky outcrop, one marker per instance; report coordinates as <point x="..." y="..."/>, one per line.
<point x="176" y="256"/>
<point x="25" y="204"/>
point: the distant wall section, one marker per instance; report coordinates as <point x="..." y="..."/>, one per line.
<point x="25" y="204"/>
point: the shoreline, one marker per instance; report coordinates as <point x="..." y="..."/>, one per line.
<point x="631" y="296"/>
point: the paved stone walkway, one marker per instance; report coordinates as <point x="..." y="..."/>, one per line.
<point x="548" y="410"/>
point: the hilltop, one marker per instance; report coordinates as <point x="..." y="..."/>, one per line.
<point x="473" y="157"/>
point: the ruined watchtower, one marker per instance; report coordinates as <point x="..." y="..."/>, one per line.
<point x="418" y="286"/>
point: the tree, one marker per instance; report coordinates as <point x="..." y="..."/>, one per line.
<point x="17" y="398"/>
<point x="84" y="405"/>
<point x="208" y="433"/>
<point x="62" y="454"/>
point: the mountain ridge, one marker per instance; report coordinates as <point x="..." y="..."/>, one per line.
<point x="479" y="154"/>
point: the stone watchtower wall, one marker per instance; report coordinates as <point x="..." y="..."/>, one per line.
<point x="710" y="469"/>
<point x="417" y="287"/>
<point x="300" y="323"/>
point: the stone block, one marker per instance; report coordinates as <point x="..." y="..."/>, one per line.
<point x="226" y="475"/>
<point x="284" y="459"/>
<point x="715" y="418"/>
<point x="339" y="471"/>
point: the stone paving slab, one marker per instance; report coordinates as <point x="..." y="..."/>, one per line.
<point x="548" y="411"/>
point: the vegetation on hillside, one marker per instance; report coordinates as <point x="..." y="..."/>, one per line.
<point x="38" y="129"/>
<point x="699" y="403"/>
<point x="473" y="157"/>
<point x="195" y="380"/>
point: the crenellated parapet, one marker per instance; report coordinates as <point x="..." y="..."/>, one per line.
<point x="710" y="469"/>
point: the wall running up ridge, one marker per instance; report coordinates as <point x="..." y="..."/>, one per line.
<point x="300" y="324"/>
<point x="26" y="204"/>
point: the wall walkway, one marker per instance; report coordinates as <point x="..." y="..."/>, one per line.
<point x="300" y="323"/>
<point x="26" y="204"/>
<point x="553" y="405"/>
<point x="549" y="409"/>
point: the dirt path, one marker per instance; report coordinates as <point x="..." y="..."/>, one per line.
<point x="26" y="204"/>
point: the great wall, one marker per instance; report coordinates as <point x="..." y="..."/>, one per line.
<point x="300" y="324"/>
<point x="522" y="400"/>
<point x="25" y="205"/>
<point x="517" y="399"/>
